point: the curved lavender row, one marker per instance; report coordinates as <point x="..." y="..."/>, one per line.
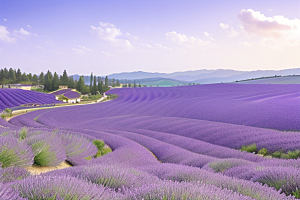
<point x="125" y="152"/>
<point x="185" y="173"/>
<point x="198" y="146"/>
<point x="228" y="135"/>
<point x="28" y="119"/>
<point x="5" y="124"/>
<point x="72" y="94"/>
<point x="12" y="174"/>
<point x="61" y="187"/>
<point x="116" y="177"/>
<point x="59" y="92"/>
<point x="7" y="193"/>
<point x="15" y="97"/>
<point x="168" y="153"/>
<point x="183" y="190"/>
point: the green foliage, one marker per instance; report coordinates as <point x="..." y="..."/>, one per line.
<point x="7" y="110"/>
<point x="101" y="150"/>
<point x="42" y="157"/>
<point x="7" y="157"/>
<point x="296" y="194"/>
<point x="220" y="166"/>
<point x="3" y="116"/>
<point x="92" y="97"/>
<point x="250" y="148"/>
<point x="289" y="155"/>
<point x="23" y="133"/>
<point x="263" y="151"/>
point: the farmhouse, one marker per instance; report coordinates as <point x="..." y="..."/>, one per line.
<point x="63" y="87"/>
<point x="17" y="86"/>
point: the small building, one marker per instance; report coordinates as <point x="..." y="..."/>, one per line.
<point x="72" y="97"/>
<point x="63" y="87"/>
<point x="18" y="86"/>
<point x="67" y="95"/>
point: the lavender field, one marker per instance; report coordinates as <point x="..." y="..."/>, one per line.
<point x="168" y="143"/>
<point x="10" y="98"/>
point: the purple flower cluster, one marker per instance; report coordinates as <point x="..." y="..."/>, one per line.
<point x="11" y="174"/>
<point x="7" y="193"/>
<point x="61" y="187"/>
<point x="48" y="149"/>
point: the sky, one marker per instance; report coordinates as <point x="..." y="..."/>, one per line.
<point x="113" y="36"/>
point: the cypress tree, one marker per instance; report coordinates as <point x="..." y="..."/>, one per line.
<point x="100" y="85"/>
<point x="71" y="83"/>
<point x="106" y="84"/>
<point x="55" y="82"/>
<point x="35" y="79"/>
<point x="91" y="81"/>
<point x="94" y="88"/>
<point x="64" y="78"/>
<point x="18" y="76"/>
<point x="41" y="78"/>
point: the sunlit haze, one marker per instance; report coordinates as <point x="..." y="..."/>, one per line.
<point x="107" y="37"/>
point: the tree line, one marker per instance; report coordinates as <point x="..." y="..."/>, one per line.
<point x="51" y="82"/>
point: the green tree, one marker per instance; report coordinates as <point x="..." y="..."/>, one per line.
<point x="24" y="78"/>
<point x="100" y="85"/>
<point x="29" y="76"/>
<point x="94" y="88"/>
<point x="113" y="82"/>
<point x="71" y="83"/>
<point x="91" y="80"/>
<point x="35" y="79"/>
<point x="134" y="83"/>
<point x="6" y="73"/>
<point x="2" y="76"/>
<point x="80" y="84"/>
<point x="12" y="75"/>
<point x="117" y="83"/>
<point x="140" y="85"/>
<point x="55" y="82"/>
<point x="18" y="76"/>
<point x="48" y="81"/>
<point x="106" y="84"/>
<point x="41" y="78"/>
<point x="64" y="78"/>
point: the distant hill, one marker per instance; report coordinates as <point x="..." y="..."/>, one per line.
<point x="202" y="76"/>
<point x="161" y="82"/>
<point x="272" y="80"/>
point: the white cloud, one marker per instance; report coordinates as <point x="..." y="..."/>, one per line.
<point x="78" y="51"/>
<point x="28" y="26"/>
<point x="275" y="31"/>
<point x="224" y="26"/>
<point x="257" y="23"/>
<point x="106" y="53"/>
<point x="246" y="44"/>
<point x="270" y="9"/>
<point x="81" y="50"/>
<point x="229" y="30"/>
<point x="83" y="47"/>
<point x="110" y="33"/>
<point x="22" y="32"/>
<point x="183" y="39"/>
<point x="163" y="47"/>
<point x="4" y="35"/>
<point x="147" y="45"/>
<point x="5" y="20"/>
<point x="208" y="35"/>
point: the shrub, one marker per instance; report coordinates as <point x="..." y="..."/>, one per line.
<point x="101" y="150"/>
<point x="277" y="154"/>
<point x="294" y="154"/>
<point x="48" y="149"/>
<point x="263" y="151"/>
<point x="78" y="147"/>
<point x="250" y="148"/>
<point x="224" y="164"/>
<point x="14" y="153"/>
<point x="7" y="110"/>
<point x="3" y="116"/>
<point x="23" y="133"/>
<point x="285" y="178"/>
